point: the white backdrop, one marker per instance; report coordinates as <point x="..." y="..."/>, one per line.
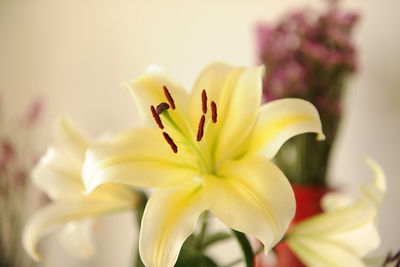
<point x="76" y="53"/>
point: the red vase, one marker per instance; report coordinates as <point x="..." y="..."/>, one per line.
<point x="308" y="198"/>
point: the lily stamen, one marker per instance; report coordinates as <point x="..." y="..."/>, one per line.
<point x="161" y="107"/>
<point x="182" y="136"/>
<point x="200" y="130"/>
<point x="170" y="142"/>
<point x="213" y="112"/>
<point x="204" y="101"/>
<point x="169" y="97"/>
<point x="156" y="117"/>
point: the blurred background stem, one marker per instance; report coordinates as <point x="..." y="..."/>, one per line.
<point x="139" y="215"/>
<point x="246" y="248"/>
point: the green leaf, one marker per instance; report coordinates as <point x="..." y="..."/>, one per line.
<point x="193" y="257"/>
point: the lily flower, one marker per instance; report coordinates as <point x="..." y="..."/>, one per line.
<point x="208" y="150"/>
<point x="345" y="232"/>
<point x="58" y="174"/>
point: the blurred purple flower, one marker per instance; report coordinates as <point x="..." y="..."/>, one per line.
<point x="7" y="153"/>
<point x="309" y="54"/>
<point x="33" y="113"/>
<point x="16" y="154"/>
<point x="306" y="53"/>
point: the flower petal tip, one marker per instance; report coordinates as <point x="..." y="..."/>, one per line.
<point x="263" y="70"/>
<point x="126" y="86"/>
<point x="370" y="162"/>
<point x="154" y="69"/>
<point x="266" y="250"/>
<point x="36" y="257"/>
<point x="88" y="188"/>
<point x="30" y="247"/>
<point x="321" y="137"/>
<point x="379" y="174"/>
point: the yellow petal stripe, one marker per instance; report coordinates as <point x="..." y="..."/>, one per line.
<point x="252" y="196"/>
<point x="281" y="120"/>
<point x="130" y="159"/>
<point x="169" y="218"/>
<point x="237" y="94"/>
<point x="323" y="253"/>
<point x="338" y="221"/>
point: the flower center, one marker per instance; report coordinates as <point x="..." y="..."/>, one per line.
<point x="161" y="115"/>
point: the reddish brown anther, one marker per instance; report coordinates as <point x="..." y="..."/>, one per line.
<point x="170" y="142"/>
<point x="200" y="130"/>
<point x="169" y="97"/>
<point x="161" y="107"/>
<point x="213" y="112"/>
<point x="156" y="117"/>
<point x="204" y="101"/>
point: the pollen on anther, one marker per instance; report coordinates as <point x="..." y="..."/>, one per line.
<point x="169" y="97"/>
<point x="204" y="101"/>
<point x="213" y="112"/>
<point x="161" y="107"/>
<point x="200" y="130"/>
<point x="170" y="142"/>
<point x="156" y="117"/>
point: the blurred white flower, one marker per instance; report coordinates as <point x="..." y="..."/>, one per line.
<point x="58" y="174"/>
<point x="345" y="232"/>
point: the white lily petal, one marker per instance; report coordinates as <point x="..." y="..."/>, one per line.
<point x="352" y="216"/>
<point x="116" y="193"/>
<point x="252" y="196"/>
<point x="338" y="221"/>
<point x="52" y="216"/>
<point x="360" y="240"/>
<point x="77" y="239"/>
<point x="70" y="138"/>
<point x="352" y="228"/>
<point x="237" y="94"/>
<point x="169" y="218"/>
<point x="280" y="120"/>
<point x="323" y="253"/>
<point x="57" y="176"/>
<point x="148" y="90"/>
<point x="375" y="190"/>
<point x="131" y="159"/>
<point x="348" y="229"/>
<point x="336" y="201"/>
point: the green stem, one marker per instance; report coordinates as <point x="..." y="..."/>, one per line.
<point x="203" y="231"/>
<point x="246" y="248"/>
<point x="233" y="263"/>
<point x="139" y="215"/>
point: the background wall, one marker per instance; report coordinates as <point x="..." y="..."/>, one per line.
<point x="76" y="53"/>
